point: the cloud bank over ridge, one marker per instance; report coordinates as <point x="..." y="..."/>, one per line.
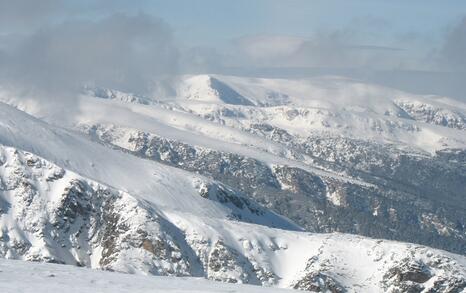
<point x="56" y="47"/>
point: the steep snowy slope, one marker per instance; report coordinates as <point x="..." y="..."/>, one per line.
<point x="147" y="180"/>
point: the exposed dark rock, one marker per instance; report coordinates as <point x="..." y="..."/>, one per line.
<point x="319" y="282"/>
<point x="450" y="285"/>
<point x="408" y="276"/>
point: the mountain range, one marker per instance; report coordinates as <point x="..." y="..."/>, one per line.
<point x="324" y="184"/>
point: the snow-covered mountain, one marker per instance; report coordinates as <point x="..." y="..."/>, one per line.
<point x="392" y="162"/>
<point x="229" y="179"/>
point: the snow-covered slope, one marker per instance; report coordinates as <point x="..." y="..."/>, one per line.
<point x="152" y="182"/>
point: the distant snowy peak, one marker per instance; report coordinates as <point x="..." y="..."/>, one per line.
<point x="331" y="92"/>
<point x="111" y="94"/>
<point x="205" y="88"/>
<point x="335" y="95"/>
<point x="336" y="106"/>
<point x="323" y="92"/>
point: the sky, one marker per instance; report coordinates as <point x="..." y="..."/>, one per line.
<point x="414" y="45"/>
<point x="223" y="20"/>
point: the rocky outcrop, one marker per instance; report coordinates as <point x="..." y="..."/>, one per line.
<point x="318" y="282"/>
<point x="431" y="114"/>
<point x="409" y="275"/>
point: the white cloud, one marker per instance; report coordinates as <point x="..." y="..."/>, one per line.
<point x="120" y="51"/>
<point x="270" y="47"/>
<point x="338" y="49"/>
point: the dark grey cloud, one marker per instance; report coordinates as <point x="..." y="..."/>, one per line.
<point x="119" y="51"/>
